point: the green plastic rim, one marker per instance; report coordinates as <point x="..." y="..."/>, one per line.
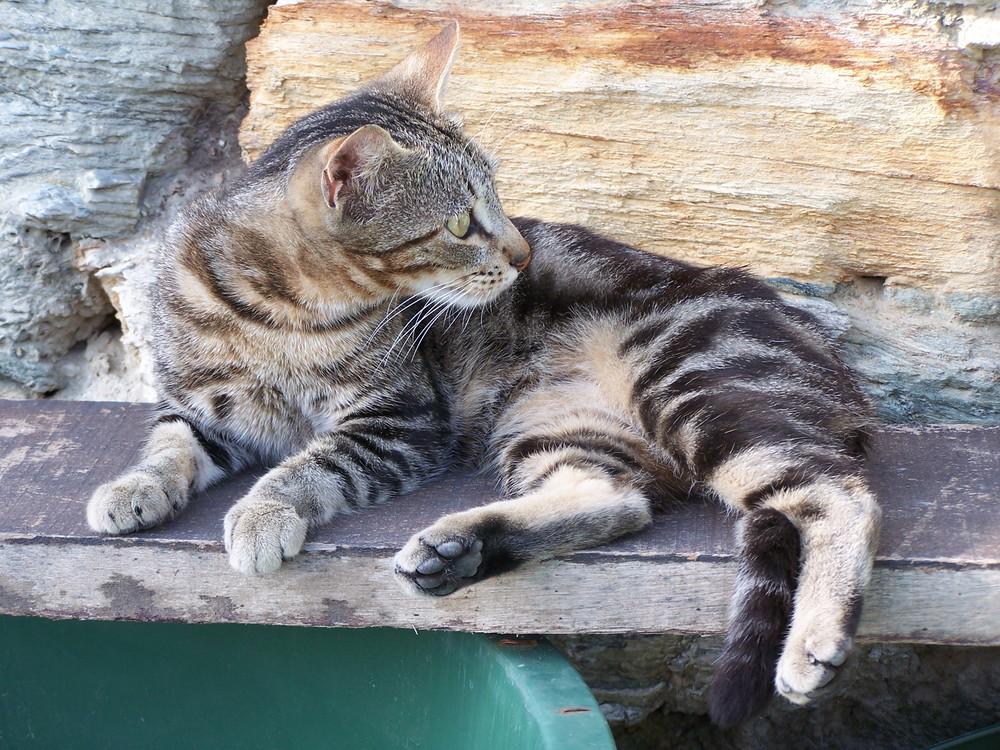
<point x="169" y="685"/>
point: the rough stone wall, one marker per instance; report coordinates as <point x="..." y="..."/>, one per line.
<point x="105" y="110"/>
<point x="653" y="689"/>
<point x="846" y="149"/>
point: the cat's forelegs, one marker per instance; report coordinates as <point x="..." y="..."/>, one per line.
<point x="175" y="460"/>
<point x="337" y="473"/>
<point x="269" y="524"/>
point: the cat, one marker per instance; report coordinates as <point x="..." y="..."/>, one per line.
<point x="358" y="313"/>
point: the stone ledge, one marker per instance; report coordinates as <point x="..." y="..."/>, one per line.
<point x="937" y="577"/>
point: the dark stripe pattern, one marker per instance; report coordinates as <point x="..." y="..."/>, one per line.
<point x="305" y="353"/>
<point x="769" y="554"/>
<point x="379" y="452"/>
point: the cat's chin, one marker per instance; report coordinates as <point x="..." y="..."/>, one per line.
<point x="471" y="301"/>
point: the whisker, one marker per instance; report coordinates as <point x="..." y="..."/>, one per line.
<point x="494" y="148"/>
<point x="479" y="136"/>
<point x="426" y="320"/>
<point x="430" y="318"/>
<point x="410" y="327"/>
<point x="439" y="300"/>
<point x="390" y="313"/>
<point x="467" y="316"/>
<point x="427" y="328"/>
<point x="402" y="307"/>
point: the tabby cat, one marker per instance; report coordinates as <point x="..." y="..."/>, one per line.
<point x="358" y="313"/>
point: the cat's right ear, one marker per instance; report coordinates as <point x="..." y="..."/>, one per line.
<point x="352" y="158"/>
<point x="422" y="75"/>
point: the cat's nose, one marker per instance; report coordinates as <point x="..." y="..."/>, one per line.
<point x="518" y="251"/>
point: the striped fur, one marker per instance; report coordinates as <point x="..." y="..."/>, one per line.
<point x="320" y="317"/>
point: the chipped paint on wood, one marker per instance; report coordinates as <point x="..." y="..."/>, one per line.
<point x="913" y="604"/>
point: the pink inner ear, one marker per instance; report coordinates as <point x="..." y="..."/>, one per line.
<point x="332" y="188"/>
<point x="345" y="162"/>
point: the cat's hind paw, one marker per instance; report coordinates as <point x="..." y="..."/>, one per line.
<point x="138" y="500"/>
<point x="260" y="533"/>
<point x="438" y="563"/>
<point x="808" y="665"/>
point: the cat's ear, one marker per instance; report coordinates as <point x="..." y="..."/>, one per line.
<point x="351" y="158"/>
<point x="422" y="75"/>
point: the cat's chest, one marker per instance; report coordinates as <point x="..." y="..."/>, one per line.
<point x="278" y="393"/>
<point x="280" y="416"/>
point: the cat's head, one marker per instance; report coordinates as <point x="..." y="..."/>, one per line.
<point x="393" y="181"/>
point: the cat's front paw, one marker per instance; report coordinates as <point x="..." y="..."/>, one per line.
<point x="438" y="562"/>
<point x="138" y="500"/>
<point x="260" y="533"/>
<point x="810" y="662"/>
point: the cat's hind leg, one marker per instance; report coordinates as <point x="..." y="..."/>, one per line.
<point x="806" y="544"/>
<point x="753" y="406"/>
<point x="575" y="470"/>
<point x="838" y="521"/>
<point x="176" y="459"/>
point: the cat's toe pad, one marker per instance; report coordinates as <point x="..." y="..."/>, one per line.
<point x="135" y="501"/>
<point x="438" y="564"/>
<point x="809" y="665"/>
<point x="260" y="533"/>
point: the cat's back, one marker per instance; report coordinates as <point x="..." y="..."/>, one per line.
<point x="642" y="329"/>
<point x="577" y="271"/>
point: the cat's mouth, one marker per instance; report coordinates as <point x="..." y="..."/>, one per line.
<point x="474" y="289"/>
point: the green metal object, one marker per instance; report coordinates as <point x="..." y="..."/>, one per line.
<point x="68" y="684"/>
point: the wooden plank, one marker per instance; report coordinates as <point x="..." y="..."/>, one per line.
<point x="937" y="577"/>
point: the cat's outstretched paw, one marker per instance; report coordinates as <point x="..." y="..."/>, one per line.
<point x="809" y="664"/>
<point x="138" y="500"/>
<point x="260" y="533"/>
<point x="438" y="563"/>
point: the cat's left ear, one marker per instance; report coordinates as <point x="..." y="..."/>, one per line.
<point x="422" y="75"/>
<point x="348" y="160"/>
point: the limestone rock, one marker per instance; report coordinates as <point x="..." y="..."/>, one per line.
<point x="815" y="147"/>
<point x="893" y="697"/>
<point x="46" y="306"/>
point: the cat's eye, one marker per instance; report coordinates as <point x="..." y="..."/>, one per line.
<point x="458" y="224"/>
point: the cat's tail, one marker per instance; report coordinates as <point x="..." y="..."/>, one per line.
<point x="760" y="611"/>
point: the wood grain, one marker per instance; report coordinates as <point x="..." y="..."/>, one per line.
<point x="821" y="148"/>
<point x="937" y="578"/>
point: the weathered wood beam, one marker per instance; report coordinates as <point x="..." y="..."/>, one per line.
<point x="820" y="147"/>
<point x="937" y="578"/>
